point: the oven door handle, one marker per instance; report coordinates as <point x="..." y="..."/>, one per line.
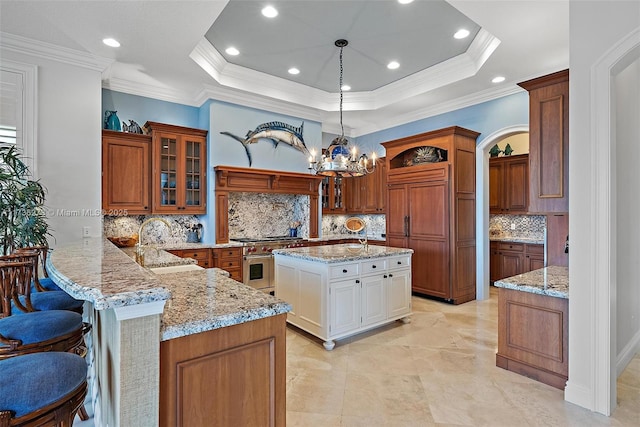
<point x="250" y="257"/>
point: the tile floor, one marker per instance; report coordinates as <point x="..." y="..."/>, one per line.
<point x="438" y="370"/>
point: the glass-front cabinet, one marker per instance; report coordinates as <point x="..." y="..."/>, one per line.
<point x="179" y="171"/>
<point x="333" y="198"/>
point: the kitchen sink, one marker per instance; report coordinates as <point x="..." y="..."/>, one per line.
<point x="175" y="268"/>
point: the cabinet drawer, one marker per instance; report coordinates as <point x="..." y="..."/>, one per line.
<point x="535" y="249"/>
<point x="235" y="274"/>
<point x="513" y="247"/>
<point x="344" y="271"/>
<point x="403" y="261"/>
<point x="196" y="254"/>
<point x="229" y="253"/>
<point x="373" y="266"/>
<point x="229" y="263"/>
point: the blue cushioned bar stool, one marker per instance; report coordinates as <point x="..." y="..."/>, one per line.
<point x="44" y="283"/>
<point x="53" y="330"/>
<point x="28" y="301"/>
<point x="42" y="389"/>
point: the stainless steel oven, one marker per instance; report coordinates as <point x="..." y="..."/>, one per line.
<point x="257" y="260"/>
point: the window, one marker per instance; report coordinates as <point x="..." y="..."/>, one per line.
<point x="18" y="109"/>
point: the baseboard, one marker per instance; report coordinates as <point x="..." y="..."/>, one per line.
<point x="578" y="395"/>
<point x="628" y="352"/>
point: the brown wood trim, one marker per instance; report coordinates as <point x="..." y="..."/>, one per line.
<point x="251" y="180"/>
<point x="126" y="136"/>
<point x="164" y="127"/>
<point x="538" y="82"/>
<point x="452" y="130"/>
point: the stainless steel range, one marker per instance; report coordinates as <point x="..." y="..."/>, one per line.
<point x="257" y="264"/>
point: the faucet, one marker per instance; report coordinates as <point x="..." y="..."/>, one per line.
<point x="364" y="242"/>
<point x="139" y="246"/>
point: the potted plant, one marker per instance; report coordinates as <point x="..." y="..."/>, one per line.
<point x="23" y="220"/>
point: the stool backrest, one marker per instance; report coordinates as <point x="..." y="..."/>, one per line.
<point x="13" y="275"/>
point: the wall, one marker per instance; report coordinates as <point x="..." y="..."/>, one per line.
<point x="589" y="382"/>
<point x="68" y="145"/>
<point x="485" y="118"/>
<point x="519" y="144"/>
<point x="627" y="159"/>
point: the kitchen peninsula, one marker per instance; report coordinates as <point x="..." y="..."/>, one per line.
<point x="533" y="319"/>
<point x="159" y="340"/>
<point x="341" y="290"/>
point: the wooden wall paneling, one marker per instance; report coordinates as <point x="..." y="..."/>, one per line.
<point x="557" y="232"/>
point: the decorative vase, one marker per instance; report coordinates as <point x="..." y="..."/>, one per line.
<point x="111" y="120"/>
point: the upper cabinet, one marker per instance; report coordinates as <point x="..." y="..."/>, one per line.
<point x="333" y="195"/>
<point x="549" y="142"/>
<point x="509" y="184"/>
<point x="179" y="177"/>
<point x="126" y="160"/>
<point x="367" y="194"/>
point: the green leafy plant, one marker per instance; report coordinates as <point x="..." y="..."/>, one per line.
<point x="23" y="220"/>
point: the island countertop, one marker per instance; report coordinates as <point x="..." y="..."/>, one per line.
<point x="96" y="271"/>
<point x="552" y="281"/>
<point x="341" y="253"/>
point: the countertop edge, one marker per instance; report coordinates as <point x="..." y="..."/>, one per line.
<point x="550" y="281"/>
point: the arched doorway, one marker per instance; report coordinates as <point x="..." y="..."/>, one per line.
<point x="482" y="205"/>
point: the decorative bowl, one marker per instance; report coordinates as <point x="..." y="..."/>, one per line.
<point x="124" y="242"/>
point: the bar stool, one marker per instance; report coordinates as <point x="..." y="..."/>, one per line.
<point x="28" y="301"/>
<point x="44" y="283"/>
<point x="42" y="389"/>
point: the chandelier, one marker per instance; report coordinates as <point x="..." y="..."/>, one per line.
<point x="337" y="160"/>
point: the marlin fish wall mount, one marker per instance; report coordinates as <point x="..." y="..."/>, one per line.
<point x="277" y="132"/>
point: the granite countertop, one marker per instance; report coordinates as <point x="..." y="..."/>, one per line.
<point x="328" y="237"/>
<point x="207" y="299"/>
<point x="529" y="240"/>
<point x="159" y="258"/>
<point x="552" y="281"/>
<point x="95" y="270"/>
<point x="341" y="253"/>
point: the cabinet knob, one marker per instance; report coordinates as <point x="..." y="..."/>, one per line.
<point x="345" y="270"/>
<point x="399" y="262"/>
<point x="357" y="281"/>
<point x="384" y="277"/>
<point x="373" y="266"/>
<point x="390" y="275"/>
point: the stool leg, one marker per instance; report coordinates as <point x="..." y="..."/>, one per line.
<point x="82" y="413"/>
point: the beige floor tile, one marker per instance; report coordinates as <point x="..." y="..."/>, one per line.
<point x="306" y="419"/>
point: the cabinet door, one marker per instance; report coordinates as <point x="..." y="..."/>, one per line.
<point x="368" y="192"/>
<point x="353" y="202"/>
<point x="397" y="219"/>
<point x="333" y="195"/>
<point x="194" y="175"/>
<point x="373" y="300"/>
<point x="381" y="186"/>
<point x="168" y="175"/>
<point x="516" y="176"/>
<point x="345" y="306"/>
<point x="511" y="264"/>
<point x="399" y="293"/>
<point x="125" y="173"/>
<point x="494" y="263"/>
<point x="495" y="186"/>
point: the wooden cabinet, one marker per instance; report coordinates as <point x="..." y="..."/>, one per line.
<point x="509" y="259"/>
<point x="233" y="376"/>
<point x="179" y="177"/>
<point x="431" y="209"/>
<point x="229" y="259"/>
<point x="549" y="142"/>
<point x="202" y="256"/>
<point x="336" y="300"/>
<point x="533" y="336"/>
<point x="509" y="184"/>
<point x="367" y="194"/>
<point x="126" y="171"/>
<point x="333" y="195"/>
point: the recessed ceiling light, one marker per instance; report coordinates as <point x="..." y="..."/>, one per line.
<point x="294" y="71"/>
<point x="461" y="34"/>
<point x="346" y="87"/>
<point x="405" y="1"/>
<point x="393" y="65"/>
<point x="498" y="79"/>
<point x="111" y="42"/>
<point x="269" y="12"/>
<point x="232" y="51"/>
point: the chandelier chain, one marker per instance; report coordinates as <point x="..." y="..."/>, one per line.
<point x="341" y="73"/>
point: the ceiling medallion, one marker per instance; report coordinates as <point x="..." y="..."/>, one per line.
<point x="337" y="160"/>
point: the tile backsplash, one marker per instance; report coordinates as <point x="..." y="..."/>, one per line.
<point x="266" y="215"/>
<point x="525" y="226"/>
<point x="334" y="225"/>
<point x="154" y="232"/>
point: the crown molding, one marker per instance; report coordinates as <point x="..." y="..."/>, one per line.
<point x="53" y="52"/>
<point x="149" y="91"/>
<point x="457" y="68"/>
<point x="441" y="108"/>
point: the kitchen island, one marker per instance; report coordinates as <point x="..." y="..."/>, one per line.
<point x="341" y="290"/>
<point x="533" y="325"/>
<point x="186" y="348"/>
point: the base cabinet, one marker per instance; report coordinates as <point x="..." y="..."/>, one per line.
<point x="230" y="260"/>
<point x="533" y="336"/>
<point x="233" y="376"/>
<point x="332" y="301"/>
<point x="509" y="259"/>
